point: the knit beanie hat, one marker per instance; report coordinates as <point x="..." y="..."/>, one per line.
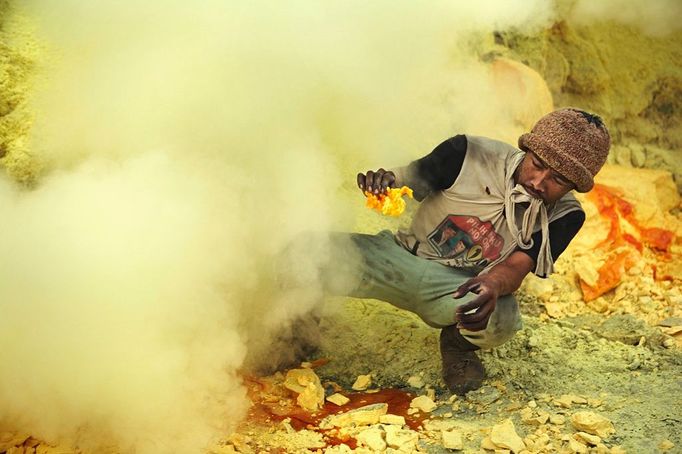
<point x="572" y="142"/>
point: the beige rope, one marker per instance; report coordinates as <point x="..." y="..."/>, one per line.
<point x="514" y="195"/>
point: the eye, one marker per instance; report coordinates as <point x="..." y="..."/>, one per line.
<point x="561" y="181"/>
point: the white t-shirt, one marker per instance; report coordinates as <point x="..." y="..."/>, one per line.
<point x="465" y="226"/>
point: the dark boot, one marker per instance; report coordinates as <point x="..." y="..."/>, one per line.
<point x="462" y="370"/>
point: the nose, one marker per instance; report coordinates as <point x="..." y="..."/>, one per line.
<point x="538" y="179"/>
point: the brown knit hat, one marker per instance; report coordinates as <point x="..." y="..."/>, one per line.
<point x="572" y="142"/>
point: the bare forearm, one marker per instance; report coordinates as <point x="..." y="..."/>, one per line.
<point x="503" y="279"/>
<point x="508" y="275"/>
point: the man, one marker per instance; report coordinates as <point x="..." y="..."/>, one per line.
<point x="489" y="215"/>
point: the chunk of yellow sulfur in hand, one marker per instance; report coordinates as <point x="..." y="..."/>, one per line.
<point x="390" y="203"/>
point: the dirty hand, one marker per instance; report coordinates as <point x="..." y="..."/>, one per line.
<point x="376" y="182"/>
<point x="483" y="305"/>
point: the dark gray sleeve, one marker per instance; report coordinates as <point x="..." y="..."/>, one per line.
<point x="561" y="232"/>
<point x="438" y="170"/>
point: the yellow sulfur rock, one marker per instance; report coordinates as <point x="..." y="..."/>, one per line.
<point x="587" y="438"/>
<point x="307" y="384"/>
<point x="338" y="399"/>
<point x="403" y="440"/>
<point x="415" y="381"/>
<point x="395" y="420"/>
<point x="567" y="400"/>
<point x="538" y="420"/>
<point x="431" y="393"/>
<point x="592" y="423"/>
<point x="574" y="446"/>
<point x="594" y="402"/>
<point x="578" y="399"/>
<point x="312" y="397"/>
<point x="452" y="439"/>
<point x="542" y="440"/>
<point x="603" y="449"/>
<point x="557" y="419"/>
<point x="362" y="382"/>
<point x="488" y="444"/>
<point x="423" y="403"/>
<point x="666" y="445"/>
<point x="367" y="415"/>
<point x="526" y="415"/>
<point x="372" y="438"/>
<point x="297" y="379"/>
<point x="504" y="435"/>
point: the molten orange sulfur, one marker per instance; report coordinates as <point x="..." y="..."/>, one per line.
<point x="389" y="203"/>
<point x="613" y="207"/>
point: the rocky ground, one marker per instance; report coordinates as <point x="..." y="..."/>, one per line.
<point x="614" y="372"/>
<point x="589" y="383"/>
<point x="598" y="376"/>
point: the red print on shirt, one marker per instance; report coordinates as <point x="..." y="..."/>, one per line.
<point x="467" y="239"/>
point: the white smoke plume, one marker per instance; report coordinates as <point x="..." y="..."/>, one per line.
<point x="186" y="146"/>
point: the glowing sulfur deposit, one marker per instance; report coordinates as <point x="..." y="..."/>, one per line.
<point x="627" y="247"/>
<point x="390" y="203"/>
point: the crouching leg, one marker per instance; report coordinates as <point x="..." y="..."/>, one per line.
<point x="463" y="371"/>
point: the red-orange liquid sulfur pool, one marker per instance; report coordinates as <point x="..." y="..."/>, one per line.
<point x="273" y="404"/>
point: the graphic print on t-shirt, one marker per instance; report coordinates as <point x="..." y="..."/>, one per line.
<point x="466" y="239"/>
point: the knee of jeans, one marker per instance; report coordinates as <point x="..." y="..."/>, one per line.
<point x="503" y="324"/>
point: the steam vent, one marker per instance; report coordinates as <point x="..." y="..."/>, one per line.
<point x="178" y="185"/>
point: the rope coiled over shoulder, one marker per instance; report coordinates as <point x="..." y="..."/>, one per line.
<point x="516" y="194"/>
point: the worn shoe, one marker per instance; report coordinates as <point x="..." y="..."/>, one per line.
<point x="462" y="370"/>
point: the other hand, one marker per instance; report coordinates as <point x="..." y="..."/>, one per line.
<point x="376" y="182"/>
<point x="482" y="306"/>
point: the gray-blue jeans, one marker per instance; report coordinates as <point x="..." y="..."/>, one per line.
<point x="382" y="269"/>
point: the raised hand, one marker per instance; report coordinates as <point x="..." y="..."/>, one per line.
<point x="474" y="315"/>
<point x="376" y="182"/>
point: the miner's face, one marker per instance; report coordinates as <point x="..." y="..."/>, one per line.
<point x="540" y="180"/>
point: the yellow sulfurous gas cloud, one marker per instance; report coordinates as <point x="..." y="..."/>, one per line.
<point x="185" y="147"/>
<point x="657" y="18"/>
<point x="115" y="314"/>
